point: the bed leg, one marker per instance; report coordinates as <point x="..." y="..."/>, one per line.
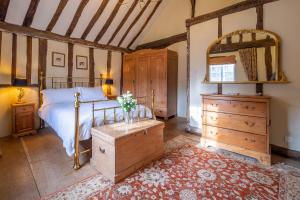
<point x="76" y="145"/>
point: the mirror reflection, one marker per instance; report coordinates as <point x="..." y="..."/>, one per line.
<point x="244" y="56"/>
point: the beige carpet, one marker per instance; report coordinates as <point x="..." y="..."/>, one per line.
<point x="50" y="165"/>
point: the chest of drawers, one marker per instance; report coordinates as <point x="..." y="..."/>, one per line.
<point x="237" y="123"/>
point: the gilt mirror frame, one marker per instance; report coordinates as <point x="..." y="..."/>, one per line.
<point x="280" y="76"/>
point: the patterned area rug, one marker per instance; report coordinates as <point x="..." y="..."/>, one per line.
<point x="190" y="172"/>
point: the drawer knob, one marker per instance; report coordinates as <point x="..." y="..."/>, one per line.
<point x="101" y="150"/>
<point x="213" y="118"/>
<point x="214" y="105"/>
<point x="252" y="140"/>
<point x="213" y="133"/>
<point x="250" y="124"/>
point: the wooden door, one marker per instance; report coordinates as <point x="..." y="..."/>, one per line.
<point x="142" y="74"/>
<point x="158" y="79"/>
<point x="129" y="74"/>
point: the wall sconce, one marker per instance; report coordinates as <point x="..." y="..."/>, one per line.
<point x="108" y="82"/>
<point x="20" y="82"/>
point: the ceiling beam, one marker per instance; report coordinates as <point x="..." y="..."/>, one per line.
<point x="123" y="21"/>
<point x="134" y="22"/>
<point x="62" y="4"/>
<point x="30" y="12"/>
<point x="145" y="23"/>
<point x="108" y="21"/>
<point x="76" y="17"/>
<point x="52" y="36"/>
<point x="244" y="5"/>
<point x="162" y="43"/>
<point x="3" y="9"/>
<point x="94" y="19"/>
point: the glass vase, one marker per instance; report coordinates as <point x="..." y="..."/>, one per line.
<point x="128" y="117"/>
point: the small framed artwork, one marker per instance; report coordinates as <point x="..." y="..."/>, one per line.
<point x="58" y="59"/>
<point x="82" y="62"/>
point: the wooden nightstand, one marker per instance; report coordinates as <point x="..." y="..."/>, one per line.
<point x="112" y="97"/>
<point x="23" y="119"/>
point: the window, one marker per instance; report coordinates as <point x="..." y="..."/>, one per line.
<point x="222" y="68"/>
<point x="222" y="72"/>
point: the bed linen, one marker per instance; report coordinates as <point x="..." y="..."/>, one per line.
<point x="61" y="117"/>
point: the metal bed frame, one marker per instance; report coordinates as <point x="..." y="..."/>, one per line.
<point x="69" y="82"/>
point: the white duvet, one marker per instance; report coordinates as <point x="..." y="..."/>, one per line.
<point x="61" y="117"/>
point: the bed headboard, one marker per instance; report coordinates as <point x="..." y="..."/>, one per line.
<point x="53" y="82"/>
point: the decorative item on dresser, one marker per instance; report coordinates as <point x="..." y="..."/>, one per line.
<point x="237" y="123"/>
<point x="147" y="70"/>
<point x="23" y="119"/>
<point x="120" y="149"/>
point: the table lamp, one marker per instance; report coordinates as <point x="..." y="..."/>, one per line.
<point x="108" y="83"/>
<point x="19" y="83"/>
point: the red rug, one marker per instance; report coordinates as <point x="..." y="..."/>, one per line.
<point x="193" y="173"/>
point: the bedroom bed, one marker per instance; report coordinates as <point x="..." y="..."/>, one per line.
<point x="72" y="111"/>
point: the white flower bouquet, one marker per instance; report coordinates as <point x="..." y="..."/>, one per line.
<point x="128" y="103"/>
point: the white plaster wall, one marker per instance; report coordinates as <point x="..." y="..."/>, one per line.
<point x="8" y="95"/>
<point x="181" y="49"/>
<point x="282" y="18"/>
<point x="207" y="6"/>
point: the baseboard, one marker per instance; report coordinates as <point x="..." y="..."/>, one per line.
<point x="285" y="152"/>
<point x="192" y="129"/>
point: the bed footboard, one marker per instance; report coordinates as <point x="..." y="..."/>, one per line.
<point x="77" y="111"/>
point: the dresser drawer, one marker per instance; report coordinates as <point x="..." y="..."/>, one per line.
<point x="236" y="122"/>
<point x="241" y="139"/>
<point x="23" y="109"/>
<point x="237" y="107"/>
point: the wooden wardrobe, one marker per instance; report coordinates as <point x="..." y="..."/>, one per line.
<point x="147" y="70"/>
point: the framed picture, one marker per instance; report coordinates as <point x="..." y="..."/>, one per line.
<point x="82" y="62"/>
<point x="58" y="59"/>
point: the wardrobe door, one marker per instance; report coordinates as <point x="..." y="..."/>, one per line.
<point x="142" y="80"/>
<point x="129" y="74"/>
<point x="158" y="79"/>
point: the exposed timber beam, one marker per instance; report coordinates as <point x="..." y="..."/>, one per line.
<point x="30" y="12"/>
<point x="134" y="21"/>
<point x="62" y="4"/>
<point x="108" y="21"/>
<point x="223" y="48"/>
<point x="94" y="19"/>
<point x="14" y="58"/>
<point x="3" y="9"/>
<point x="244" y="5"/>
<point x="123" y="21"/>
<point x="162" y="43"/>
<point x="29" y="59"/>
<point x="76" y="17"/>
<point x="145" y="23"/>
<point x="52" y="36"/>
<point x="193" y="5"/>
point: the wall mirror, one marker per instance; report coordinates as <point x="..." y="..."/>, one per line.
<point x="245" y="56"/>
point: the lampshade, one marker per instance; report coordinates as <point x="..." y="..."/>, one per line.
<point x="109" y="81"/>
<point x="20" y="82"/>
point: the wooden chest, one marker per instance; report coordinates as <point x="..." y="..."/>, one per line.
<point x="237" y="123"/>
<point x="118" y="149"/>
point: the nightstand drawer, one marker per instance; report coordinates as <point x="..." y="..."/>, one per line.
<point x="23" y="109"/>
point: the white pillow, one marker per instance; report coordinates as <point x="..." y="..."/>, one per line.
<point x="63" y="95"/>
<point x="91" y="93"/>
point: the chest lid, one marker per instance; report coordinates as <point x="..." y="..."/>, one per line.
<point x="112" y="132"/>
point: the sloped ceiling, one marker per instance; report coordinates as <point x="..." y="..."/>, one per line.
<point x="108" y="22"/>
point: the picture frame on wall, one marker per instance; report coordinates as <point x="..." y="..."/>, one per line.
<point x="58" y="59"/>
<point x="82" y="62"/>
